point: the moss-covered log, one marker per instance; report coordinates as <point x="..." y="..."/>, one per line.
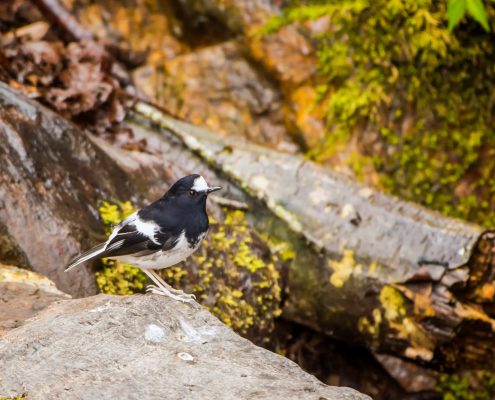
<point x="378" y="271"/>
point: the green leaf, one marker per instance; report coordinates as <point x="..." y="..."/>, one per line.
<point x="476" y="9"/>
<point x="455" y="11"/>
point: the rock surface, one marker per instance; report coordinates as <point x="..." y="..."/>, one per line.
<point x="145" y="347"/>
<point x="227" y="95"/>
<point x="287" y="56"/>
<point x="23" y="294"/>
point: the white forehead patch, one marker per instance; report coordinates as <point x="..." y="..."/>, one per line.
<point x="200" y="184"/>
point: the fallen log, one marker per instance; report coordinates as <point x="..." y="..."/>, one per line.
<point x="378" y="271"/>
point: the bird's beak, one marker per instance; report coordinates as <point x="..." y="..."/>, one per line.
<point x="213" y="189"/>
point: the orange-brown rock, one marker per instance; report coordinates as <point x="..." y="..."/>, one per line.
<point x="217" y="88"/>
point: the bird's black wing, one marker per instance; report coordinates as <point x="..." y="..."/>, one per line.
<point x="132" y="239"/>
<point x="133" y="236"/>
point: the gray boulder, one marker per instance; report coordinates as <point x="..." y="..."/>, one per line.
<point x="145" y="347"/>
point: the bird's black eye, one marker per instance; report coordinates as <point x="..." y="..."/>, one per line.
<point x="192" y="193"/>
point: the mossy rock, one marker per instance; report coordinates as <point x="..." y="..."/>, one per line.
<point x="116" y="277"/>
<point x="233" y="274"/>
<point x="416" y="98"/>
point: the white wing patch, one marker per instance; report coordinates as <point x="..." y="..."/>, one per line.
<point x="147" y="228"/>
<point x="199" y="184"/>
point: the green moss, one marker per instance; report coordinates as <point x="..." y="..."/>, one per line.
<point x="343" y="269"/>
<point x="395" y="77"/>
<point x="233" y="274"/>
<point x="475" y="386"/>
<point x="116" y="277"/>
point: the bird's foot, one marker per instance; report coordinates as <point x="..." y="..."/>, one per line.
<point x="172" y="293"/>
<point x="181" y="293"/>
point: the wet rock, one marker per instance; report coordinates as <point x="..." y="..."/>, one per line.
<point x="411" y="377"/>
<point x="52" y="178"/>
<point x="145" y="347"/>
<point x="23" y="294"/>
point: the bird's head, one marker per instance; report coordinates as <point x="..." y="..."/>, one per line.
<point x="191" y="189"/>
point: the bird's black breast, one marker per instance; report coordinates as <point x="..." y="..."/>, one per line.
<point x="197" y="229"/>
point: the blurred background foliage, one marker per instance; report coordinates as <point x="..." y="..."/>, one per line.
<point x="476" y="386"/>
<point x="411" y="82"/>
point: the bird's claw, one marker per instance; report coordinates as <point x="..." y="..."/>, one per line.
<point x="183" y="294"/>
<point x="176" y="294"/>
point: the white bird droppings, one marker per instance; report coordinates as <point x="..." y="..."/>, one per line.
<point x="347" y="210"/>
<point x="366" y="193"/>
<point x="185" y="356"/>
<point x="260" y="182"/>
<point x="190" y="333"/>
<point x="102" y="308"/>
<point x="154" y="333"/>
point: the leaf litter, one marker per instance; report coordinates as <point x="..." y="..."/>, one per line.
<point x="80" y="80"/>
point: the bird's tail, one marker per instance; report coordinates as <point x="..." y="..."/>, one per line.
<point x="91" y="254"/>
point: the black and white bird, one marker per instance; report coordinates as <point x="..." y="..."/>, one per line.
<point x="160" y="235"/>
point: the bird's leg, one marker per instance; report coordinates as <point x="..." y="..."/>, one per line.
<point x="163" y="288"/>
<point x="170" y="288"/>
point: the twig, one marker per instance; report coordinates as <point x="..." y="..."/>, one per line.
<point x="60" y="16"/>
<point x="229" y="203"/>
<point x="57" y="14"/>
<point x="139" y="100"/>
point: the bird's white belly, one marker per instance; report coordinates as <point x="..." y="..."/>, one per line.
<point x="163" y="259"/>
